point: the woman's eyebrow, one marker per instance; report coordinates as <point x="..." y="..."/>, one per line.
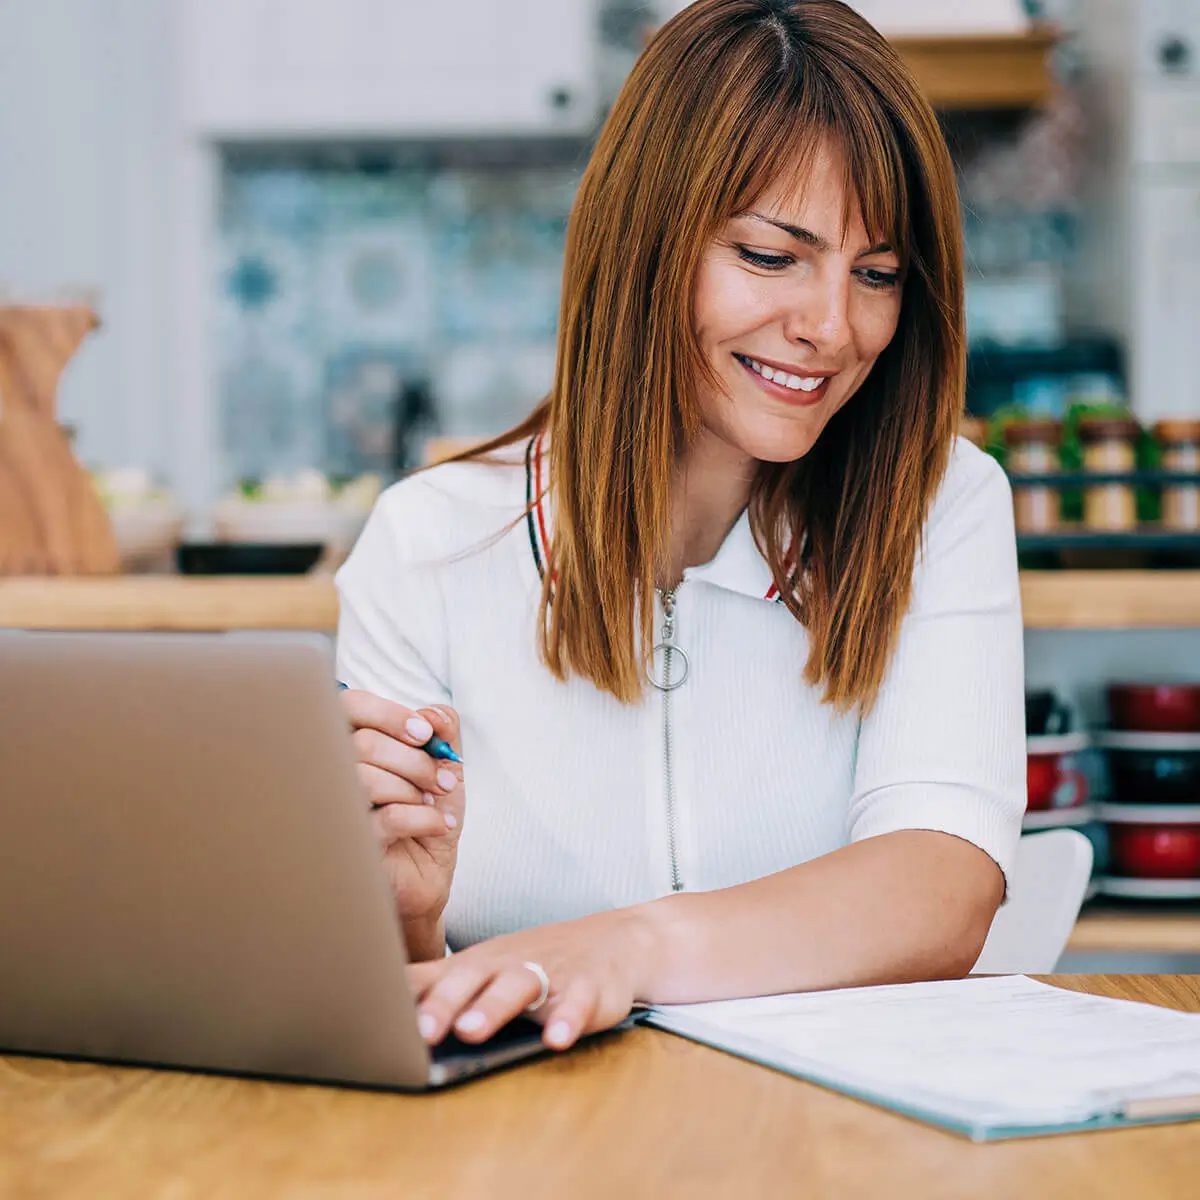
<point x="815" y="240"/>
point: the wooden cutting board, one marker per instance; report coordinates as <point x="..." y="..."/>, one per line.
<point x="52" y="522"/>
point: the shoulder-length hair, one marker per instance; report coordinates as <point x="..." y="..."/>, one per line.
<point x="726" y="95"/>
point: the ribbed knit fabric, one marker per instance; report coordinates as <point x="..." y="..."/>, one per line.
<point x="566" y="800"/>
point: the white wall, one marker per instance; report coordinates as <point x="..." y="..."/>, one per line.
<point x="84" y="128"/>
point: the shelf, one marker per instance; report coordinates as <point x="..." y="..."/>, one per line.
<point x="1149" y="537"/>
<point x="176" y="603"/>
<point x="1086" y="479"/>
<point x="1143" y="932"/>
<point x="1051" y="600"/>
<point x="982" y="71"/>
<point x="1110" y="599"/>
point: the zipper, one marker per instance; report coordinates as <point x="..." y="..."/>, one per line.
<point x="669" y="682"/>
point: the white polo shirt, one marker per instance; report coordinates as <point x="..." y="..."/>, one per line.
<point x="576" y="803"/>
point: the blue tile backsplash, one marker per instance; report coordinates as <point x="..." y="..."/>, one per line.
<point x="341" y="282"/>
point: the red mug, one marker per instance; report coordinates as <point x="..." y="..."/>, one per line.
<point x="1051" y="785"/>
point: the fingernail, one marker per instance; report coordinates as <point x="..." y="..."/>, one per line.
<point x="558" y="1033"/>
<point x="419" y="729"/>
<point x="429" y="797"/>
<point x="451" y="820"/>
<point x="446" y="780"/>
<point x="471" y="1022"/>
<point x="427" y="1024"/>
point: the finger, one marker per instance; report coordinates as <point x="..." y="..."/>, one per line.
<point x="368" y="711"/>
<point x="424" y="975"/>
<point x="395" y="822"/>
<point x="508" y="995"/>
<point x="382" y="787"/>
<point x="422" y="770"/>
<point x="451" y="995"/>
<point x="445" y="722"/>
<point x="570" y="1015"/>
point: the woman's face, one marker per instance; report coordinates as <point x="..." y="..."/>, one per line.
<point x="792" y="310"/>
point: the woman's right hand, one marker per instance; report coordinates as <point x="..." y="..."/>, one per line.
<point x="417" y="802"/>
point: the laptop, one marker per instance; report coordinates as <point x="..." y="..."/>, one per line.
<point x="188" y="874"/>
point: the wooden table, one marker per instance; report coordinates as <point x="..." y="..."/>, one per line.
<point x="643" y="1114"/>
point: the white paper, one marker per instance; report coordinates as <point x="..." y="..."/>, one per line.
<point x="983" y="1053"/>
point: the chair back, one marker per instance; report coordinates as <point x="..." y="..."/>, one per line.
<point x="1045" y="892"/>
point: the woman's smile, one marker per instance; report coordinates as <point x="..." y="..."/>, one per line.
<point x="796" y="387"/>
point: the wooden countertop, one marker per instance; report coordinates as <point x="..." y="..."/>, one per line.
<point x="1051" y="600"/>
<point x="643" y="1114"/>
<point x="1144" y="930"/>
<point x="177" y="603"/>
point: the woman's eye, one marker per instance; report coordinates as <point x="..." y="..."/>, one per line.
<point x="769" y="262"/>
<point x="878" y="279"/>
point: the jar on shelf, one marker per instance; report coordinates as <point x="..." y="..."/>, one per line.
<point x="1033" y="450"/>
<point x="1179" y="441"/>
<point x="1109" y="448"/>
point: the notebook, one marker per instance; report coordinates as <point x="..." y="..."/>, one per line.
<point x="990" y="1058"/>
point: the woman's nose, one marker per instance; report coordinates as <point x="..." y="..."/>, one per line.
<point x="820" y="314"/>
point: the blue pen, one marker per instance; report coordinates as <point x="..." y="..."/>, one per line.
<point x="436" y="746"/>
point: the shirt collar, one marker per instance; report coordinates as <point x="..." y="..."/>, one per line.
<point x="738" y="566"/>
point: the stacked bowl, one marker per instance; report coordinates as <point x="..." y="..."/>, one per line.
<point x="1057" y="785"/>
<point x="1057" y="788"/>
<point x="1153" y="817"/>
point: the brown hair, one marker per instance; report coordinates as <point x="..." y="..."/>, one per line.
<point x="725" y="92"/>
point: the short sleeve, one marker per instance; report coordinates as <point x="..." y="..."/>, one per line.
<point x="944" y="747"/>
<point x="391" y="627"/>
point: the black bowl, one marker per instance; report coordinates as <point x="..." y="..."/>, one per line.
<point x="247" y="558"/>
<point x="1155" y="776"/>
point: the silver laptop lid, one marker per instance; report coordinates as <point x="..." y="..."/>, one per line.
<point x="187" y="873"/>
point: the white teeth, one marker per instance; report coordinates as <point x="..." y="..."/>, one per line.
<point x="795" y="383"/>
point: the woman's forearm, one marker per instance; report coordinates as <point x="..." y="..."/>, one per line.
<point x="895" y="908"/>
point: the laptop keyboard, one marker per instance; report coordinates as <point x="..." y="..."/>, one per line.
<point x="515" y="1033"/>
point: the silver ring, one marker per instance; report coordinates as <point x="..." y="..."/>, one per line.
<point x="668" y="649"/>
<point x="544" y="980"/>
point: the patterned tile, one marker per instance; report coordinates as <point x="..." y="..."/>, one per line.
<point x="345" y="277"/>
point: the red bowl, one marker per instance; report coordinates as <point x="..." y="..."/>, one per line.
<point x="1156" y="851"/>
<point x="1155" y="707"/>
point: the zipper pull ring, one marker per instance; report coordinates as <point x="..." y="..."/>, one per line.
<point x="669" y="681"/>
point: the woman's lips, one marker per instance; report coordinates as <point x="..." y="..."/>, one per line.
<point x="798" y="399"/>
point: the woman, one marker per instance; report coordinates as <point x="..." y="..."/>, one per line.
<point x="815" y="779"/>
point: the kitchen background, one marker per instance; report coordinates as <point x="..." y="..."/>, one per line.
<point x="320" y="234"/>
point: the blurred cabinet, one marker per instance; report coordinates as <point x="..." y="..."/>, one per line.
<point x="1166" y="272"/>
<point x="1142" y="92"/>
<point x="346" y="68"/>
<point x="1165" y="205"/>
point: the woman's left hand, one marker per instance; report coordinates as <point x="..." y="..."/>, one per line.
<point x="596" y="967"/>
